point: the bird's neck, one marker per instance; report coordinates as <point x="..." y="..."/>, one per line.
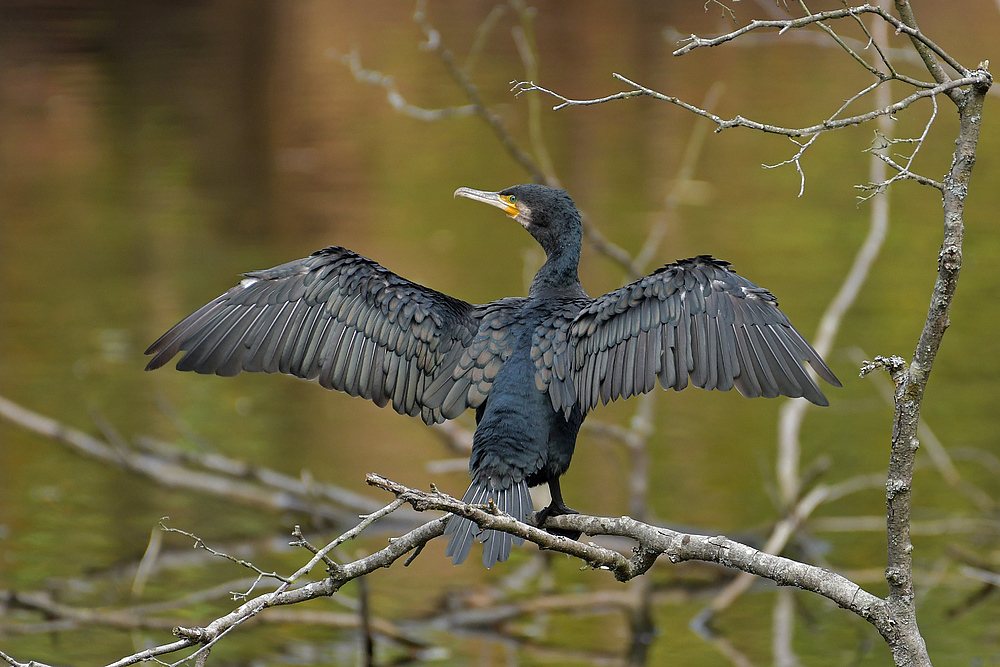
<point x="559" y="273"/>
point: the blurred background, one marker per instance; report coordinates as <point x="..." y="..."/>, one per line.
<point x="151" y="152"/>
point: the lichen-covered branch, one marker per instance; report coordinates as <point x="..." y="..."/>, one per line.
<point x="911" y="380"/>
<point x="654" y="541"/>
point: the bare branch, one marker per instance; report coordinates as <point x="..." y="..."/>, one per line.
<point x="524" y="39"/>
<point x="482" y="33"/>
<point x="842" y="44"/>
<point x="783" y="26"/>
<point x="209" y="635"/>
<point x="654" y="541"/>
<point x="725" y="9"/>
<point x="14" y="663"/>
<point x="904" y="170"/>
<point x="977" y="78"/>
<point x="353" y="61"/>
<point x="822" y="41"/>
<point x="275" y="490"/>
<point x="349" y="535"/>
<point x="434" y="45"/>
<point x="518" y="87"/>
<point x="301" y="541"/>
<point x="776" y="542"/>
<point x="910" y="381"/>
<point x="796" y="159"/>
<point x="927" y="50"/>
<point x="200" y="544"/>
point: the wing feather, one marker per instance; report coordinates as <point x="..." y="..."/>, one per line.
<point x="694" y="320"/>
<point x="340" y="318"/>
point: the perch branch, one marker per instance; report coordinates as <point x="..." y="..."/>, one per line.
<point x="654" y="541"/>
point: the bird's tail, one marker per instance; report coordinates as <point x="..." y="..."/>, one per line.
<point x="513" y="500"/>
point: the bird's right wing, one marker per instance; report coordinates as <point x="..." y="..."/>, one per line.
<point x="340" y="318"/>
<point x="693" y="319"/>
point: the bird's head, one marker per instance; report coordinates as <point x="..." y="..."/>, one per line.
<point x="549" y="215"/>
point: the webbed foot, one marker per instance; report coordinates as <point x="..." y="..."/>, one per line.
<point x="556" y="508"/>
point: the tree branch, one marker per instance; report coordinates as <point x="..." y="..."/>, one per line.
<point x="911" y="381"/>
<point x="227" y="478"/>
<point x="353" y="62"/>
<point x="435" y="45"/>
<point x="907" y="26"/>
<point x="654" y="541"/>
<point x="975" y="78"/>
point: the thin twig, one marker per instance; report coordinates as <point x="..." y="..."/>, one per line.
<point x="14" y="663"/>
<point x="301" y="541"/>
<point x="524" y="39"/>
<point x="796" y="159"/>
<point x="979" y="77"/>
<point x="879" y="185"/>
<point x="792" y="413"/>
<point x="352" y="61"/>
<point x="200" y="544"/>
<point x="494" y="121"/>
<point x="482" y="34"/>
<point x="366" y="521"/>
<point x="783" y="26"/>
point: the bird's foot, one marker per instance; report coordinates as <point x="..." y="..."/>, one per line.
<point x="556" y="508"/>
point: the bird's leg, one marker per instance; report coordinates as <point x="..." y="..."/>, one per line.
<point x="556" y="508"/>
<point x="558" y="505"/>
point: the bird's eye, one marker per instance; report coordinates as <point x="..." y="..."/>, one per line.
<point x="510" y="199"/>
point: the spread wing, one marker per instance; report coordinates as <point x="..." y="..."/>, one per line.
<point x="696" y="320"/>
<point x="345" y="320"/>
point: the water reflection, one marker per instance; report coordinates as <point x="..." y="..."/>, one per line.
<point x="151" y="152"/>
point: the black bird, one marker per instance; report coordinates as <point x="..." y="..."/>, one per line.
<point x="532" y="367"/>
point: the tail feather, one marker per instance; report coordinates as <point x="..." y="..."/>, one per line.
<point x="514" y="500"/>
<point x="463" y="531"/>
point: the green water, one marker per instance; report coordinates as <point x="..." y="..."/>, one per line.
<point x="150" y="154"/>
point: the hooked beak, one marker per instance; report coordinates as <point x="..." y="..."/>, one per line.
<point x="491" y="198"/>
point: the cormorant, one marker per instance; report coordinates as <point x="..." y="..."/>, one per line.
<point x="531" y="367"/>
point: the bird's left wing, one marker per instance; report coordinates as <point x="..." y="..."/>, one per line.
<point x="693" y="319"/>
<point x="337" y="317"/>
